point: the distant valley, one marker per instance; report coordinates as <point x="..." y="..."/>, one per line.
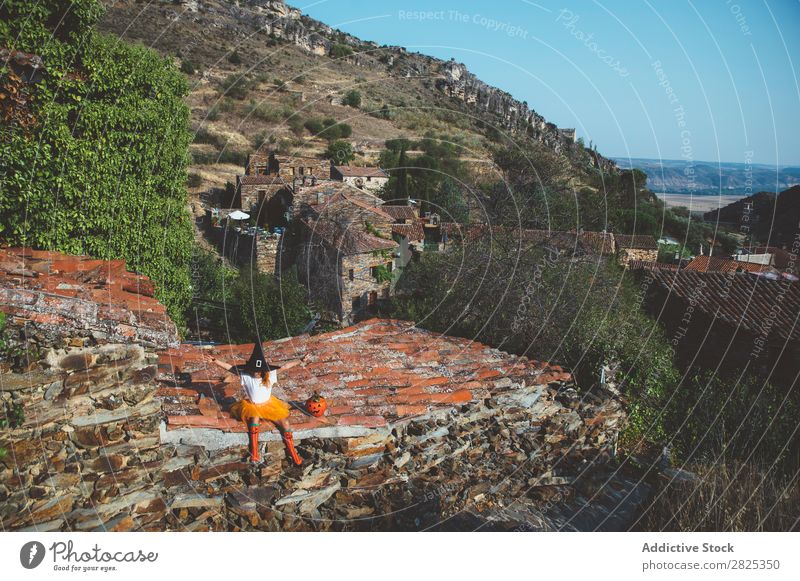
<point x="706" y="178"/>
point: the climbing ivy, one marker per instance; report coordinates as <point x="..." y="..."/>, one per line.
<point x="103" y="172"/>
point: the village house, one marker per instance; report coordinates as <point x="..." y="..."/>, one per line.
<point x="636" y="247"/>
<point x="371" y="179"/>
<point x="346" y="252"/>
<point x="346" y="268"/>
<point x="704" y="263"/>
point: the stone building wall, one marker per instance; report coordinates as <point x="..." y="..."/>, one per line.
<point x="369" y="184"/>
<point x="362" y="283"/>
<point x="626" y="255"/>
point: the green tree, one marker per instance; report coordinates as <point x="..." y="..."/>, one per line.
<point x="265" y="308"/>
<point x="340" y="51"/>
<point x="448" y="201"/>
<point x="341" y="152"/>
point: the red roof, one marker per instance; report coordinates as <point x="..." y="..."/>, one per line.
<point x="414" y="231"/>
<point x="748" y="302"/>
<point x="59" y="292"/>
<point x="350" y="171"/>
<point x="400" y="212"/>
<point x="717" y="264"/>
<point x="372" y="374"/>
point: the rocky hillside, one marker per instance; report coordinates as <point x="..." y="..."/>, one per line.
<point x="295" y="68"/>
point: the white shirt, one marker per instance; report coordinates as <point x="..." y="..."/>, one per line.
<point x="255" y="389"/>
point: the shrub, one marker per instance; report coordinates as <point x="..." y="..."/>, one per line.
<point x="234" y="58"/>
<point x="267" y="112"/>
<point x="352" y="99"/>
<point x="328" y="128"/>
<point x="188" y="67"/>
<point x="266" y="308"/>
<point x="195" y="180"/>
<point x="340" y="152"/>
<point x="731" y="497"/>
<point x="235" y="86"/>
<point x="296" y="125"/>
<point x="340" y="51"/>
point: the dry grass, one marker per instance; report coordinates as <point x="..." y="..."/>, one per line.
<point x="734" y="498"/>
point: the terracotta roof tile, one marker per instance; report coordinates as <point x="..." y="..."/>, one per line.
<point x="717" y="264"/>
<point x="414" y="232"/>
<point x="350" y="171"/>
<point x="400" y="212"/>
<point x="59" y="292"/>
<point x="373" y="374"/>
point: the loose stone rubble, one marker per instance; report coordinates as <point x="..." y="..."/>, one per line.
<point x="425" y="431"/>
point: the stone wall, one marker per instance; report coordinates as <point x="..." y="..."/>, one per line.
<point x="87" y="451"/>
<point x="362" y="283"/>
<point x="628" y="254"/>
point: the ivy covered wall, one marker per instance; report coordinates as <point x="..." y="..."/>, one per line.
<point x="100" y="168"/>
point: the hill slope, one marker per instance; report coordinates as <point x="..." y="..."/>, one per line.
<point x="293" y="68"/>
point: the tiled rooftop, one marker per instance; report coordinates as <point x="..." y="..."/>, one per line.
<point x="58" y="291"/>
<point x="346" y="240"/>
<point x="373" y="374"/>
<point x="718" y="264"/>
<point x="746" y="301"/>
<point x="413" y="231"/>
<point x="400" y="212"/>
<point x="360" y="172"/>
<point x="342" y="203"/>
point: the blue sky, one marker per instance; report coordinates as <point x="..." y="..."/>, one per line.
<point x="712" y="80"/>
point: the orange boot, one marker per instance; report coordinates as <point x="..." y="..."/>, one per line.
<point x="288" y="439"/>
<point x="252" y="429"/>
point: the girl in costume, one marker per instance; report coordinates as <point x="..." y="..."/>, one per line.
<point x="258" y="378"/>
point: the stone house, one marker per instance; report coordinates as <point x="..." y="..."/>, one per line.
<point x="371" y="179"/>
<point x="287" y="166"/>
<point x="346" y="268"/>
<point x="636" y="247"/>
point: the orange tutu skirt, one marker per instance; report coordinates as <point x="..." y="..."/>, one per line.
<point x="272" y="410"/>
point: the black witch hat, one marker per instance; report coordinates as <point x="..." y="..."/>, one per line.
<point x="258" y="361"/>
